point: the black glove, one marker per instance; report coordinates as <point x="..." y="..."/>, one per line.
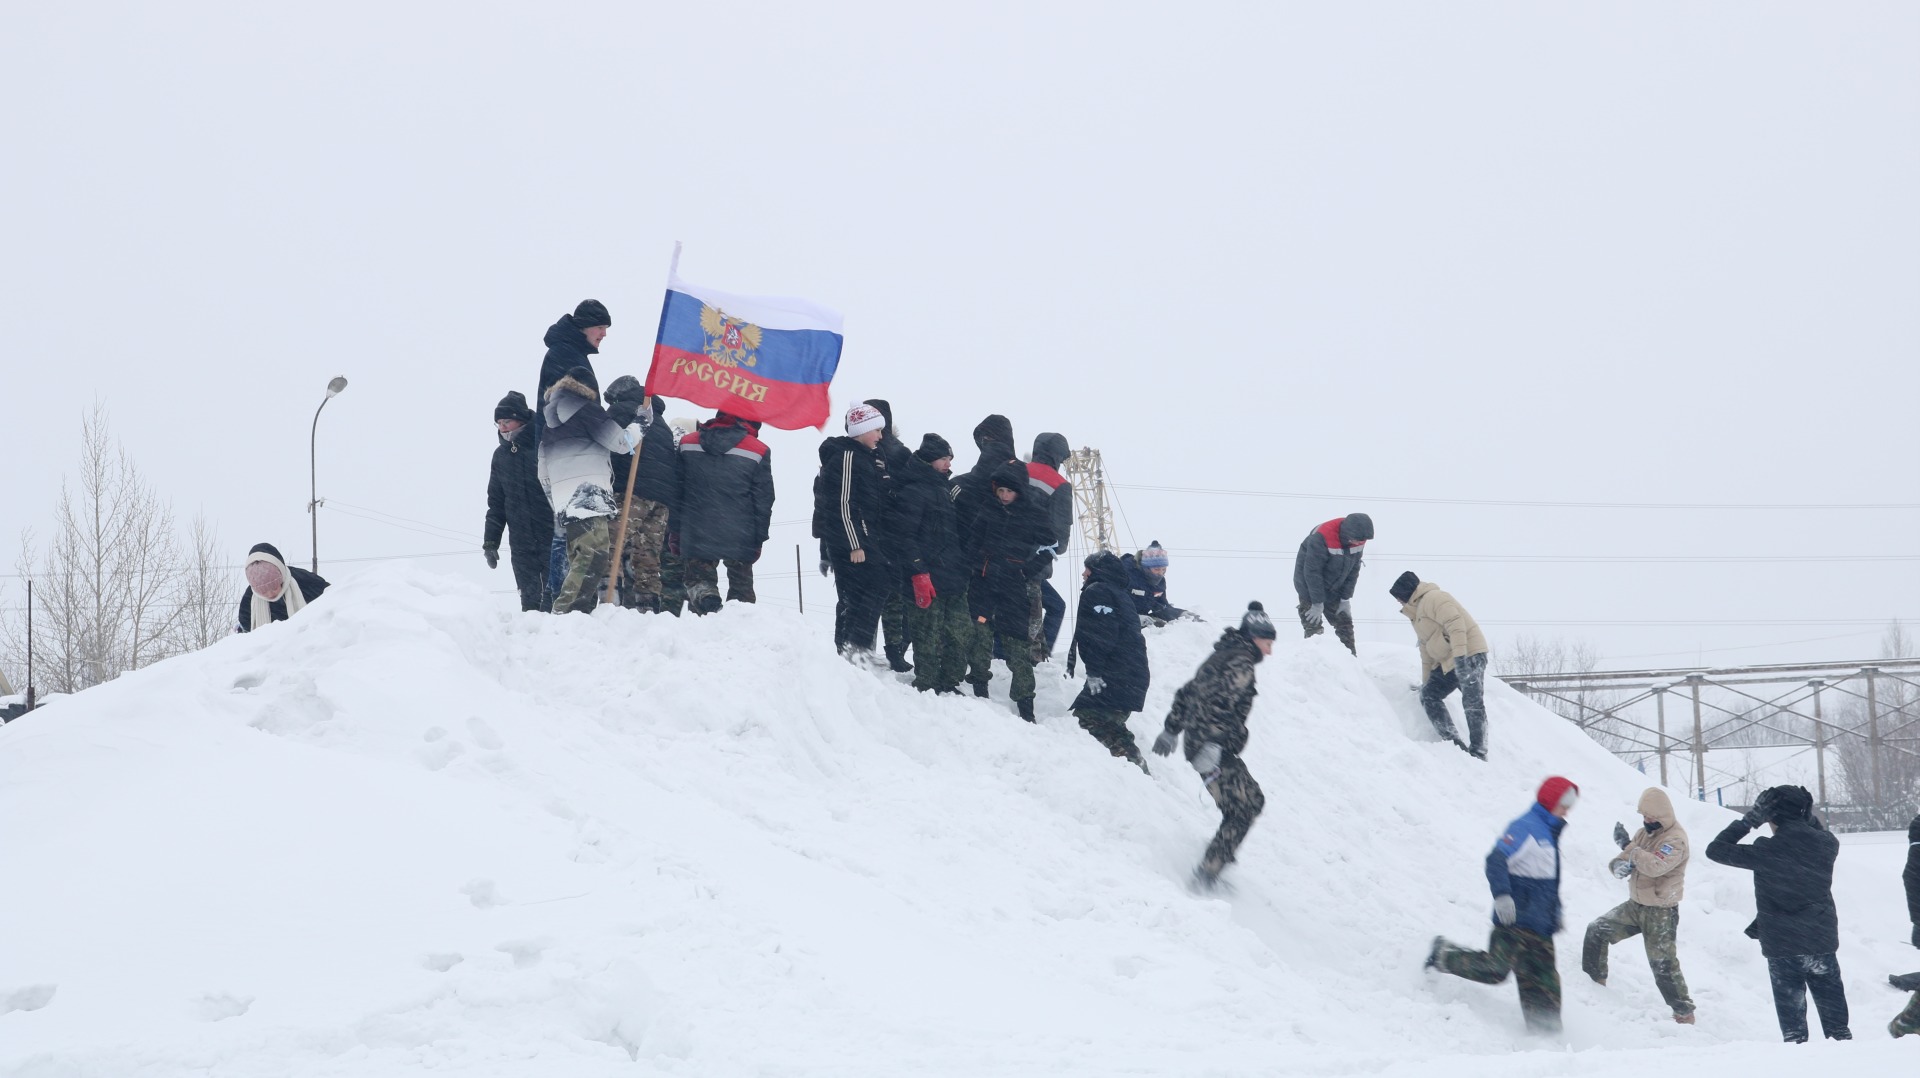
<point x="1620" y="835"/>
<point x="492" y="551"/>
<point x="1762" y="808"/>
<point x="625" y="412"/>
<point x="825" y="567"/>
<point x="1040" y="566"/>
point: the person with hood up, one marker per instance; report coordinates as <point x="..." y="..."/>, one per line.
<point x="1007" y="548"/>
<point x="1453" y="655"/>
<point x="1052" y="495"/>
<point x="275" y="591"/>
<point x="896" y="628"/>
<point x="571" y="343"/>
<point x="1798" y="925"/>
<point x="517" y="503"/>
<point x="577" y="475"/>
<point x="656" y="489"/>
<point x="1211" y="711"/>
<point x="1106" y="637"/>
<point x="725" y="511"/>
<point x="1325" y="572"/>
<point x="1147" y="584"/>
<point x="1523" y="871"/>
<point x="973" y="494"/>
<point x="921" y="518"/>
<point x="849" y="511"/>
<point x="1653" y="861"/>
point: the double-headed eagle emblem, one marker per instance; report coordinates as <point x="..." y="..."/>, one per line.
<point x="730" y="342"/>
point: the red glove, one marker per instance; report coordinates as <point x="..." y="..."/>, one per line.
<point x="922" y="590"/>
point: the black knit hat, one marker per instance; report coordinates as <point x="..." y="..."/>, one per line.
<point x="513" y="406"/>
<point x="591" y="312"/>
<point x="625" y="388"/>
<point x="1255" y="622"/>
<point x="1787" y="803"/>
<point x="584" y="376"/>
<point x="994" y="430"/>
<point x="1403" y="587"/>
<point x="932" y="448"/>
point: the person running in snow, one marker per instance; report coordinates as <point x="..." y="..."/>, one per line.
<point x="922" y="520"/>
<point x="849" y="507"/>
<point x="1326" y="571"/>
<point x="1107" y="638"/>
<point x="725" y="511"/>
<point x="1653" y="861"/>
<point x="1008" y="548"/>
<point x="577" y="475"/>
<point x="896" y="628"/>
<point x="1523" y="871"/>
<point x="1453" y="655"/>
<point x="1052" y="496"/>
<point x="1798" y="926"/>
<point x="1147" y="583"/>
<point x="275" y="591"/>
<point x="517" y="503"/>
<point x="656" y="490"/>
<point x="1211" y="711"/>
<point x="1908" y="1020"/>
<point x="993" y="436"/>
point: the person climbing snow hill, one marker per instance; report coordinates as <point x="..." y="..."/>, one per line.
<point x="1107" y="639"/>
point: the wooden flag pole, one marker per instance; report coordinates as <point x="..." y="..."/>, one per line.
<point x="626" y="508"/>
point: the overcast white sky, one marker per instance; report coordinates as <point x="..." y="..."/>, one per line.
<point x="1638" y="252"/>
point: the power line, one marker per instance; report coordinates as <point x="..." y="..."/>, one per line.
<point x="1255" y="554"/>
<point x="1524" y="502"/>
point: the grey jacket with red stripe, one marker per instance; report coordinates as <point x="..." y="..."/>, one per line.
<point x="1051" y="490"/>
<point x="1328" y="565"/>
<point x="726" y="492"/>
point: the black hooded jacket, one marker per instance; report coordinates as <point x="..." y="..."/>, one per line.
<point x="1001" y="554"/>
<point x="567" y="348"/>
<point x="1792" y="885"/>
<point x="311" y="586"/>
<point x="850" y="500"/>
<point x="516" y="502"/>
<point x="658" y="478"/>
<point x="1912" y="875"/>
<point x="994" y="438"/>
<point x="921" y="520"/>
<point x="725" y="505"/>
<point x="1107" y="637"/>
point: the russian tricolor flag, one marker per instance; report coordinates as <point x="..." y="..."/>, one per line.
<point x="767" y="358"/>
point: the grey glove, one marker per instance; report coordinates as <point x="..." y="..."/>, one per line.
<point x="1346" y="607"/>
<point x="1096" y="685"/>
<point x="1620" y="836"/>
<point x="1163" y="745"/>
<point x="1622" y="869"/>
<point x="1315" y="617"/>
<point x="1207" y="762"/>
<point x="493" y="556"/>
<point x="1503" y="910"/>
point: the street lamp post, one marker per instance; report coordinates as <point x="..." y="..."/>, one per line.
<point x="313" y="474"/>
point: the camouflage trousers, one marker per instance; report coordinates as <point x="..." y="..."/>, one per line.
<point x="1240" y="800"/>
<point x="1659" y="929"/>
<point x="703" y="582"/>
<point x="1525" y="954"/>
<point x="673" y="587"/>
<point x="1110" y="729"/>
<point x="940" y="639"/>
<point x="589" y="556"/>
<point x="646" y="541"/>
<point x="1908" y="1020"/>
<point x="1342" y="624"/>
<point x="1794" y="977"/>
<point x="1016" y="650"/>
<point x="896" y="617"/>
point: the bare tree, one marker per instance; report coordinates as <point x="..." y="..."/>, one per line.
<point x="1893" y="771"/>
<point x="1590" y="709"/>
<point x="203" y="596"/>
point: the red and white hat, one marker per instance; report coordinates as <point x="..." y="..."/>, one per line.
<point x="862" y="418"/>
<point x="1556" y="792"/>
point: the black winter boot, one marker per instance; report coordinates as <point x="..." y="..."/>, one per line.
<point x="897" y="661"/>
<point x="1026" y="709"/>
<point x="980" y="689"/>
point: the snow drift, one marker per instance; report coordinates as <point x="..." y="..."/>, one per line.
<point x="413" y="829"/>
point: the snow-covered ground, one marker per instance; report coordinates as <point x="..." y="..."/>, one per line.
<point x="415" y="830"/>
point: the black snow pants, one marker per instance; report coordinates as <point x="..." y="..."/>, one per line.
<point x="1795" y="976"/>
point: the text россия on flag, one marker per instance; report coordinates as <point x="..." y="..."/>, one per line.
<point x="767" y="358"/>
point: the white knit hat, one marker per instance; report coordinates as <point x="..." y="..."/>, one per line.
<point x="862" y="418"/>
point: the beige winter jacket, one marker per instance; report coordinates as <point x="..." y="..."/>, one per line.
<point x="1446" y="631"/>
<point x="1659" y="857"/>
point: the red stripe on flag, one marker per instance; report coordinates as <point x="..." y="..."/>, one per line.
<point x="692" y="376"/>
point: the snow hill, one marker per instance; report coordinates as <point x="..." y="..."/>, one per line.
<point x="415" y="830"/>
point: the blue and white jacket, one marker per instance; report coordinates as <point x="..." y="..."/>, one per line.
<point x="1525" y="863"/>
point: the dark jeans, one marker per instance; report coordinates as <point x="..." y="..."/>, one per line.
<point x="529" y="574"/>
<point x="1056" y="613"/>
<point x="1793" y="977"/>
<point x="1526" y="955"/>
<point x="861" y="590"/>
<point x="1469" y="675"/>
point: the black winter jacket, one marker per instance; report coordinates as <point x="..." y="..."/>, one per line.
<point x="1149" y="591"/>
<point x="659" y="475"/>
<point x="1001" y="554"/>
<point x="1912" y="875"/>
<point x="724" y="507"/>
<point x="850" y="500"/>
<point x="976" y="486"/>
<point x="1050" y="451"/>
<point x="1107" y="637"/>
<point x="516" y="502"/>
<point x="1792" y="885"/>
<point x="1214" y="706"/>
<point x="567" y="348"/>
<point x="921" y="520"/>
<point x="1328" y="565"/>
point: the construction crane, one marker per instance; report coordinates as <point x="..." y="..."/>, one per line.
<point x="1089" y="480"/>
